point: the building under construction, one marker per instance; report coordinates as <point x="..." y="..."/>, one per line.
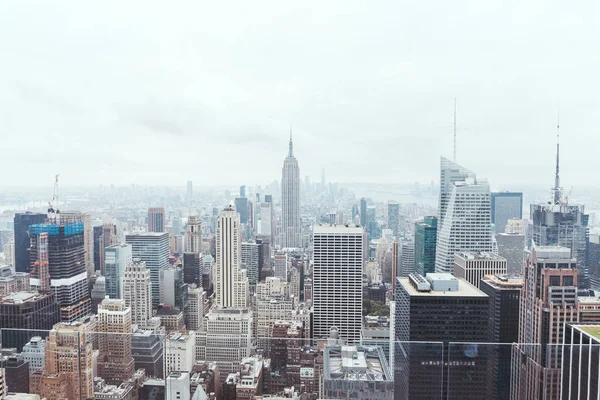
<point x="59" y="264"/>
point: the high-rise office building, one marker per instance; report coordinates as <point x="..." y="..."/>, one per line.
<point x="137" y="292"/>
<point x="231" y="282"/>
<point x="148" y="352"/>
<point x="450" y="173"/>
<point x="395" y="261"/>
<point x="156" y="219"/>
<point x="363" y="212"/>
<point x="16" y="370"/>
<point x="372" y="227"/>
<point x="179" y="351"/>
<point x="466" y="225"/>
<point x="153" y="249"/>
<point x="115" y="363"/>
<point x="512" y="247"/>
<point x="116" y="259"/>
<point x="337" y="280"/>
<point x="194" y="311"/>
<point x="393" y="216"/>
<point x="190" y="190"/>
<point x="280" y="266"/>
<point x="503" y="326"/>
<point x="548" y="302"/>
<point x="439" y="308"/>
<point x="225" y="338"/>
<point x="34" y="352"/>
<point x="473" y="267"/>
<point x="192" y="268"/>
<point x="505" y="206"/>
<point x="174" y="292"/>
<point x="58" y="252"/>
<point x="105" y="235"/>
<point x="250" y="253"/>
<point x="193" y="234"/>
<point x="69" y="364"/>
<point x="22" y="221"/>
<point x="425" y="244"/>
<point x="407" y="258"/>
<point x="559" y="223"/>
<point x="241" y="206"/>
<point x="25" y="314"/>
<point x="265" y="225"/>
<point x="290" y="201"/>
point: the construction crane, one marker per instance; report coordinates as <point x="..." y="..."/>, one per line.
<point x="51" y="209"/>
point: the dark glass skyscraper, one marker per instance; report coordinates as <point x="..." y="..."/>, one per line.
<point x="425" y="243"/>
<point x="505" y="206"/>
<point x="440" y="308"/>
<point x="22" y="222"/>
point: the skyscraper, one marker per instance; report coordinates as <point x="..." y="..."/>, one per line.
<point x="22" y="221"/>
<point x="363" y="213"/>
<point x="156" y="219"/>
<point x="65" y="267"/>
<point x="105" y="235"/>
<point x="466" y="224"/>
<point x="115" y="363"/>
<point x="548" y="301"/>
<point x="450" y="173"/>
<point x="504" y="293"/>
<point x="290" y="201"/>
<point x="439" y="308"/>
<point x="193" y="234"/>
<point x="337" y="280"/>
<point x="250" y="252"/>
<point x="137" y="292"/>
<point x="69" y="359"/>
<point x="425" y="244"/>
<point x="116" y="259"/>
<point x="407" y="258"/>
<point x="505" y="206"/>
<point x="512" y="247"/>
<point x="241" y="206"/>
<point x="231" y="282"/>
<point x="153" y="249"/>
<point x="393" y="216"/>
<point x="192" y="269"/>
<point x="558" y="223"/>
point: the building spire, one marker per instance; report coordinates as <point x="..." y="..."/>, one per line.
<point x="291" y="152"/>
<point x="557" y="189"/>
<point x="455" y="129"/>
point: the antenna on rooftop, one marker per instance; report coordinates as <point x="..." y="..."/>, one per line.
<point x="455" y="129"/>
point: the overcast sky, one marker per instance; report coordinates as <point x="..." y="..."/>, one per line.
<point x="165" y="92"/>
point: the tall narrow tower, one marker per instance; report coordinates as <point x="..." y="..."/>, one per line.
<point x="557" y="191"/>
<point x="290" y="200"/>
<point x="231" y="282"/>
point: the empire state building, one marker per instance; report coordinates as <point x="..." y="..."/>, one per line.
<point x="290" y="201"/>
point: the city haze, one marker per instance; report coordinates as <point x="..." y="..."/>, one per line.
<point x="140" y="92"/>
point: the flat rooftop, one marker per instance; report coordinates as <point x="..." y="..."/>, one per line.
<point x="591" y="330"/>
<point x="474" y="255"/>
<point x="21" y="297"/>
<point x="355" y="363"/>
<point x="465" y="289"/>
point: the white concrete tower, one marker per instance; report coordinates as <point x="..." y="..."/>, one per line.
<point x="231" y="282"/>
<point x="290" y="201"/>
<point x="337" y="280"/>
<point x="137" y="292"/>
<point x="467" y="224"/>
